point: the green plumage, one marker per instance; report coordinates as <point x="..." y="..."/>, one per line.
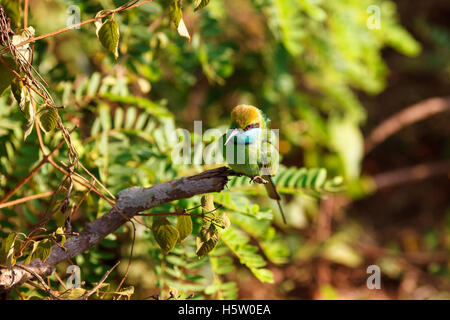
<point x="249" y="149"/>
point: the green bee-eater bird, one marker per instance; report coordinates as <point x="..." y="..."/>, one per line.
<point x="248" y="148"/>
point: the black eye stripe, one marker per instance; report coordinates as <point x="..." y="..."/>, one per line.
<point x="251" y="126"/>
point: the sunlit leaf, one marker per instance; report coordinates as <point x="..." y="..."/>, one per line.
<point x="200" y="4"/>
<point x="207" y="239"/>
<point x="183" y="31"/>
<point x="165" y="234"/>
<point x="48" y="118"/>
<point x="33" y="250"/>
<point x="184" y="226"/>
<point x="24" y="51"/>
<point x="8" y="250"/>
<point x="43" y="250"/>
<point x="74" y="293"/>
<point x="128" y="292"/>
<point x="108" y="34"/>
<point x="175" y="12"/>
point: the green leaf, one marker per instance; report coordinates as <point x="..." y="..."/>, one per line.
<point x="33" y="250"/>
<point x="93" y="84"/>
<point x="184" y="226"/>
<point x="130" y="117"/>
<point x="21" y="95"/>
<point x="28" y="127"/>
<point x="74" y="293"/>
<point x="60" y="233"/>
<point x="200" y="4"/>
<point x="8" y="250"/>
<point x="43" y="250"/>
<point x="48" y="118"/>
<point x="16" y="89"/>
<point x="128" y="291"/>
<point x="108" y="34"/>
<point x="175" y="260"/>
<point x="143" y="103"/>
<point x="285" y="20"/>
<point x="165" y="234"/>
<point x="175" y="12"/>
<point x="118" y="118"/>
<point x="263" y="274"/>
<point x="207" y="239"/>
<point x="6" y="76"/>
<point x="248" y="254"/>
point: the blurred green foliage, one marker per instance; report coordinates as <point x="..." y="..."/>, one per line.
<point x="302" y="62"/>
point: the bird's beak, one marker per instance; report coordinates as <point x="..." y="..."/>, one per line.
<point x="233" y="133"/>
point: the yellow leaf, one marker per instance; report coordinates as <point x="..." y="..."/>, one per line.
<point x="165" y="234"/>
<point x="184" y="226"/>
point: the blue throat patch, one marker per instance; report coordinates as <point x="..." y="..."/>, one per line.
<point x="247" y="137"/>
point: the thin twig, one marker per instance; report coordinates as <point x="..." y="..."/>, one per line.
<point x="90" y="292"/>
<point x="9" y="68"/>
<point x="130" y="202"/>
<point x="85" y="195"/>
<point x="25" y="199"/>
<point x="35" y="170"/>
<point x="96" y="180"/>
<point x="20" y="294"/>
<point x="39" y="278"/>
<point x="176" y="213"/>
<point x="75" y="26"/>
<point x="36" y="124"/>
<point x="81" y="180"/>
<point x="131" y="250"/>
<point x="60" y="280"/>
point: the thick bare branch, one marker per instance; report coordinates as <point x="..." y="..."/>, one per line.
<point x="130" y="202"/>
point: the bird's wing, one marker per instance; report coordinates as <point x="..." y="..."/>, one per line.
<point x="268" y="164"/>
<point x="268" y="158"/>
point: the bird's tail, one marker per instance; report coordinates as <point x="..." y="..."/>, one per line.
<point x="273" y="194"/>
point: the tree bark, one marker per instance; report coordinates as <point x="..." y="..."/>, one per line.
<point x="129" y="202"/>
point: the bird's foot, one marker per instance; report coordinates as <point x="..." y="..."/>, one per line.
<point x="259" y="179"/>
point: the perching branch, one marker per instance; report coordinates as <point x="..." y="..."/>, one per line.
<point x="129" y="202"/>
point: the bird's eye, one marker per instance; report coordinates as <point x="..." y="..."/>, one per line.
<point x="251" y="126"/>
